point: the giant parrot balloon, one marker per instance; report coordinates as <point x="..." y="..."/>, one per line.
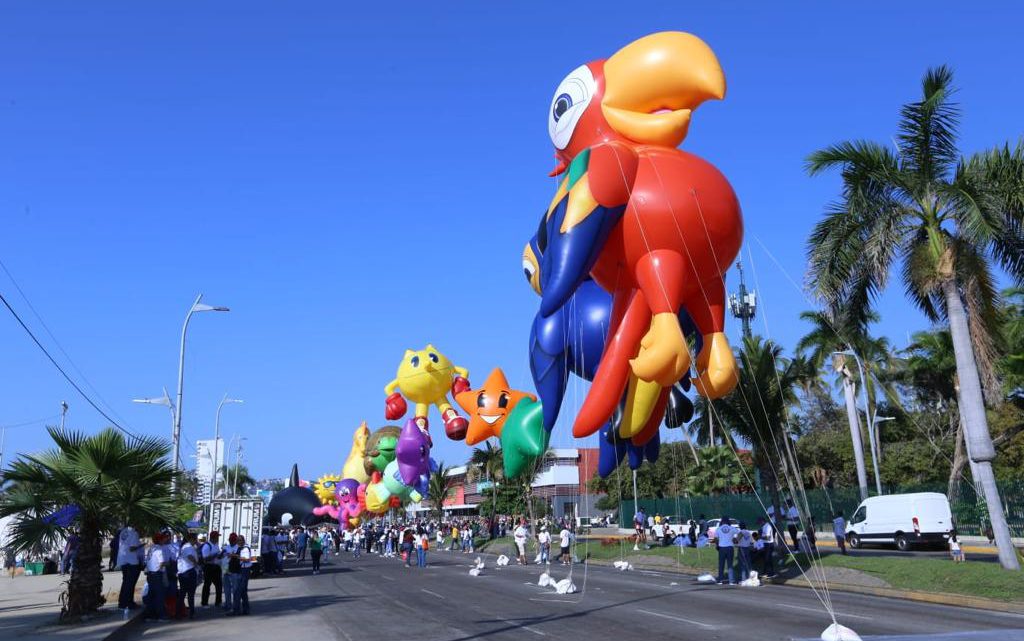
<point x="654" y="226"/>
<point x="425" y="378"/>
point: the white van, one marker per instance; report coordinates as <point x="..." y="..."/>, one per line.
<point x="903" y="519"/>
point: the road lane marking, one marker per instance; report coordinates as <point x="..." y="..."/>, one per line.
<point x="389" y="578"/>
<point x="553" y="600"/>
<point x="823" y="611"/>
<point x="440" y="596"/>
<point x="675" y="618"/>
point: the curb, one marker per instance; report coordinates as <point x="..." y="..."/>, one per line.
<point x="938" y="598"/>
<point x="122" y="631"/>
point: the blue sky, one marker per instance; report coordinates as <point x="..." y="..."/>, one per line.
<point x="353" y="182"/>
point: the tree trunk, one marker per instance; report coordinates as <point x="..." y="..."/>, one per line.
<point x="858" y="445"/>
<point x="85" y="587"/>
<point x="977" y="437"/>
<point x="959" y="461"/>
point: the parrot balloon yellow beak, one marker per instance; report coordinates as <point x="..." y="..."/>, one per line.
<point x="653" y="84"/>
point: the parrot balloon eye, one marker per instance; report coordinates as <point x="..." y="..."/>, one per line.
<point x="433" y="357"/>
<point x="415" y="361"/>
<point x="570" y="101"/>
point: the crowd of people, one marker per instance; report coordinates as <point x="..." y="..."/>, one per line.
<point x="175" y="565"/>
<point x="740" y="548"/>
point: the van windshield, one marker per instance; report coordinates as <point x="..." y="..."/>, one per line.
<point x="859" y="515"/>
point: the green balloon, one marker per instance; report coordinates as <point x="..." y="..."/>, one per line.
<point x="523" y="438"/>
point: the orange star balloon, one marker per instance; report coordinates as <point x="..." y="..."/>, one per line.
<point x="489" y="406"/>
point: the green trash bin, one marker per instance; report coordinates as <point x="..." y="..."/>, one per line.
<point x="34" y="569"/>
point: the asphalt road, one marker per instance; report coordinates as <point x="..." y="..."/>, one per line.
<point x="373" y="598"/>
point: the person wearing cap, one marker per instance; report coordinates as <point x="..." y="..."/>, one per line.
<point x="210" y="554"/>
<point x="241" y="597"/>
<point x="156" y="578"/>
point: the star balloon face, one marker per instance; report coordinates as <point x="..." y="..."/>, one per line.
<point x="489" y="406"/>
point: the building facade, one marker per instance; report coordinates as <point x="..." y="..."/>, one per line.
<point x="206" y="467"/>
<point x="561" y="481"/>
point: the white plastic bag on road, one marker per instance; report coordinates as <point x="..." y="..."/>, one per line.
<point x="623" y="565"/>
<point x="545" y="580"/>
<point x="502" y="560"/>
<point x="565" y="586"/>
<point x="836" y="632"/>
<point x="706" y="578"/>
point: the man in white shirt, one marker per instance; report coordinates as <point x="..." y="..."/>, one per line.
<point x="564" y="538"/>
<point x="768" y="543"/>
<point x="725" y="535"/>
<point x="544" y="538"/>
<point x="188" y="575"/>
<point x="156" y="578"/>
<point x="743" y="545"/>
<point x="241" y="596"/>
<point x="128" y="550"/>
<point x="519" y="536"/>
<point x="210" y="554"/>
<point x="793" y="522"/>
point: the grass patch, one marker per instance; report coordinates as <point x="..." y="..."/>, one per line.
<point x="987" y="580"/>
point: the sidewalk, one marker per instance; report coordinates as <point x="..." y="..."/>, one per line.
<point x="29" y="607"/>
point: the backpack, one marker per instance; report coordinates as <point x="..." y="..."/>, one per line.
<point x="235" y="562"/>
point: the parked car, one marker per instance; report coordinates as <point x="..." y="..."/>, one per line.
<point x="713" y="526"/>
<point x="904" y="519"/>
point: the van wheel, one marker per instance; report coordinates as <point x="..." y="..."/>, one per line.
<point x="902" y="544"/>
<point x="854" y="541"/>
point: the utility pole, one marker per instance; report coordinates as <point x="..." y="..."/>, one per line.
<point x="743" y="304"/>
<point x="63" y="413"/>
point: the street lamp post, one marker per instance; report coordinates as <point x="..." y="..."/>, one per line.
<point x="197" y="306"/>
<point x="216" y="442"/>
<point x="238" y="462"/>
<point x="878" y="435"/>
<point x="166" y="401"/>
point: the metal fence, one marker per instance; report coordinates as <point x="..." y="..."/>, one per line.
<point x="968" y="506"/>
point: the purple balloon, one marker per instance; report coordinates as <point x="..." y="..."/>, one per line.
<point x="412" y="453"/>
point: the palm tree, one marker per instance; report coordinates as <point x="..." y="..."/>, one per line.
<point x="92" y="484"/>
<point x="440" y="486"/>
<point x="757" y="410"/>
<point x="237" y="480"/>
<point x="833" y="333"/>
<point x="949" y="220"/>
<point x="718" y="473"/>
<point x="929" y="368"/>
<point x="489" y="461"/>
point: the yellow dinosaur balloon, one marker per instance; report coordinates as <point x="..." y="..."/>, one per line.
<point x="353" y="468"/>
<point x="425" y="378"/>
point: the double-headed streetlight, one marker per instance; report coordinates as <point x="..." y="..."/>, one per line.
<point x="216" y="442"/>
<point x="197" y="306"/>
<point x="871" y="421"/>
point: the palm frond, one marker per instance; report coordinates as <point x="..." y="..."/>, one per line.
<point x="928" y="128"/>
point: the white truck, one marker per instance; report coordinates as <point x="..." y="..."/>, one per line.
<point x="903" y="519"/>
<point x="241" y="516"/>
